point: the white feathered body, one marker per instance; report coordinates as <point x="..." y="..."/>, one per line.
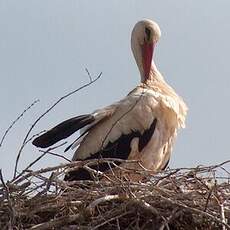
<point x="154" y="99"/>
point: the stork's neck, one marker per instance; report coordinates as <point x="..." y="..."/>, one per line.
<point x="144" y="57"/>
<point x="146" y="64"/>
<point x="154" y="75"/>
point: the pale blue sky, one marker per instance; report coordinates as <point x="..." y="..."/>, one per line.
<point x="45" y="46"/>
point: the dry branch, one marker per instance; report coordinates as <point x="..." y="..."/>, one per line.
<point x="16" y="120"/>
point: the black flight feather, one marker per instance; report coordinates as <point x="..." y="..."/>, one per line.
<point x="86" y="131"/>
<point x="63" y="130"/>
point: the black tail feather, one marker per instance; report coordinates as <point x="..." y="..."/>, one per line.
<point x="63" y="130"/>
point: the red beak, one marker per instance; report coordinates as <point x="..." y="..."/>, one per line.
<point x="147" y="54"/>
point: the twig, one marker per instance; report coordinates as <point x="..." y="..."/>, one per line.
<point x="89" y="75"/>
<point x="100" y="200"/>
<point x="70" y="165"/>
<point x="46" y="112"/>
<point x="55" y="154"/>
<point x="10" y="203"/>
<point x="16" y="120"/>
<point x="208" y="198"/>
<point x="70" y="218"/>
<point x="36" y="160"/>
<point x="123" y="115"/>
<point x="174" y="215"/>
<point x="116" y="217"/>
<point x="222" y="215"/>
<point x="56" y="222"/>
<point x="146" y="206"/>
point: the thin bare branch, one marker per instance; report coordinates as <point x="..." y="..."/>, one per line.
<point x="16" y="120"/>
<point x="36" y="160"/>
<point x="10" y="203"/>
<point x="46" y="112"/>
<point x="123" y="115"/>
<point x="55" y="154"/>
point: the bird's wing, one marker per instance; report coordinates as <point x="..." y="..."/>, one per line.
<point x="70" y="126"/>
<point x="133" y="117"/>
<point x="99" y="115"/>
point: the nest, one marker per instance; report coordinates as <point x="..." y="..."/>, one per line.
<point x="185" y="198"/>
<point x="195" y="198"/>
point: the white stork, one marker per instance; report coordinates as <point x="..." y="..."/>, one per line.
<point x="142" y="126"/>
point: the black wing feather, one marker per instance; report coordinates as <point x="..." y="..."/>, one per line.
<point x="86" y="131"/>
<point x="118" y="149"/>
<point x="63" y="130"/>
<point x="146" y="136"/>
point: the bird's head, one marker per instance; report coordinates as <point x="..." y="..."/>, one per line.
<point x="145" y="35"/>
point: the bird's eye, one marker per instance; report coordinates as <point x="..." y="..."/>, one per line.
<point x="148" y="33"/>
